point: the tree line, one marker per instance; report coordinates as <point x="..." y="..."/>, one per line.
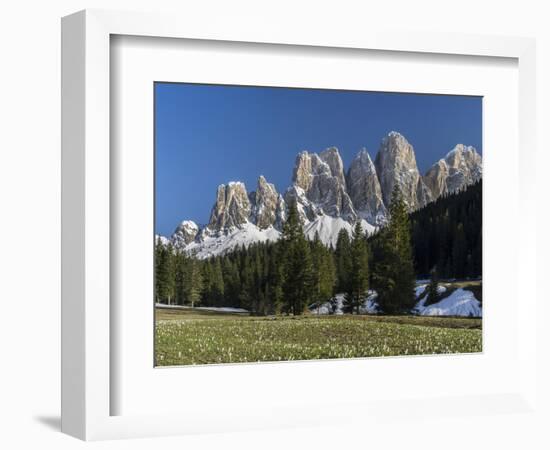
<point x="293" y="273"/>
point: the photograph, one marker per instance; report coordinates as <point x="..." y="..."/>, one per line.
<point x="297" y="224"/>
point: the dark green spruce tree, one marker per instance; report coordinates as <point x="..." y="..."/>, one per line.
<point x="231" y="281"/>
<point x="180" y="267"/>
<point x="358" y="280"/>
<point x="394" y="276"/>
<point x="275" y="280"/>
<point x="433" y="287"/>
<point x="323" y="272"/>
<point x="193" y="282"/>
<point x="297" y="267"/>
<point x="342" y="260"/>
<point x="217" y="286"/>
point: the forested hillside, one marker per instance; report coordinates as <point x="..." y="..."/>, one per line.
<point x="289" y="275"/>
<point x="446" y="235"/>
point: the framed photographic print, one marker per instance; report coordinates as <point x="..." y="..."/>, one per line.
<point x="252" y="217"/>
<point x="344" y="255"/>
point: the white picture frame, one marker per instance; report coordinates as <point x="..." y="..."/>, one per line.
<point x="87" y="316"/>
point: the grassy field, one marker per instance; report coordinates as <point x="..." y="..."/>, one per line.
<point x="190" y="337"/>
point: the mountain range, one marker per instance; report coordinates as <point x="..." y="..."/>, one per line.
<point x="327" y="197"/>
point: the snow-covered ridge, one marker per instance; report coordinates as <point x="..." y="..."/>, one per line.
<point x="218" y="243"/>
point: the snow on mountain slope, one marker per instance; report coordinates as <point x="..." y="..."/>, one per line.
<point x="221" y="242"/>
<point x="185" y="233"/>
<point x="218" y="243"/>
<point x="162" y="239"/>
<point x="328" y="228"/>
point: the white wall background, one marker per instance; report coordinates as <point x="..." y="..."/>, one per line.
<point x="30" y="206"/>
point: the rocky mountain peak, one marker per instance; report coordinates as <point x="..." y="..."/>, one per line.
<point x="461" y="167"/>
<point x="266" y="205"/>
<point x="232" y="207"/>
<point x="396" y="165"/>
<point x="462" y="154"/>
<point x="307" y="166"/>
<point x="331" y="156"/>
<point x="319" y="186"/>
<point x="364" y="189"/>
<point x="185" y="233"/>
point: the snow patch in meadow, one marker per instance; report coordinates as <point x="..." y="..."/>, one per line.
<point x="370" y="305"/>
<point x="203" y="308"/>
<point x="336" y="305"/>
<point x="460" y="303"/>
<point x="421" y="287"/>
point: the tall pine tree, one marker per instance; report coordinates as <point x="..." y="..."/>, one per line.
<point x="323" y="272"/>
<point x="342" y="260"/>
<point x="359" y="273"/>
<point x="297" y="269"/>
<point x="193" y="281"/>
<point x="433" y="288"/>
<point x="394" y="277"/>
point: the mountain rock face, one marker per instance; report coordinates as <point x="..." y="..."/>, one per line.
<point x="232" y="207"/>
<point x="461" y="167"/>
<point x="267" y="205"/>
<point x="319" y="186"/>
<point x="328" y="199"/>
<point x="396" y="165"/>
<point x="364" y="189"/>
<point x="185" y="233"/>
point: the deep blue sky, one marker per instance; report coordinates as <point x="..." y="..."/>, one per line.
<point x="208" y="135"/>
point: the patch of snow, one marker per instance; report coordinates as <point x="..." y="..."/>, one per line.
<point x="336" y="305"/>
<point x="322" y="310"/>
<point x="460" y="303"/>
<point x="163" y="239"/>
<point x="370" y="305"/>
<point x="203" y="308"/>
<point x="421" y="287"/>
<point x="189" y="225"/>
